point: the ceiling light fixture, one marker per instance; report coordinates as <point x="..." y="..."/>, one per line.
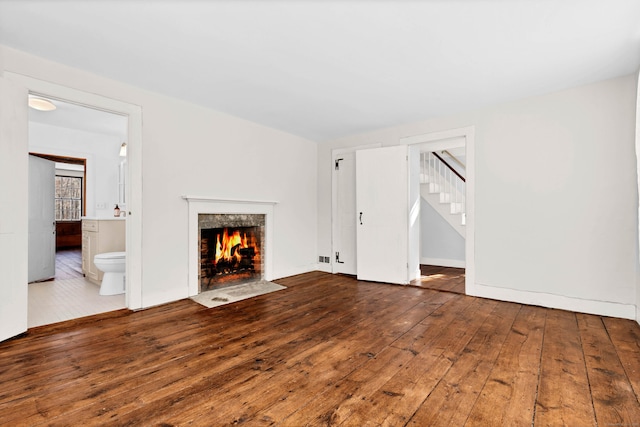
<point x="123" y="150"/>
<point x="41" y="104"/>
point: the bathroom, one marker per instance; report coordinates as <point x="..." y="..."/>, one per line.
<point x="96" y="142"/>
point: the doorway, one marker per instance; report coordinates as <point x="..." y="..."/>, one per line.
<point x="70" y="196"/>
<point x="82" y="145"/>
<point x="133" y="167"/>
<point x="343" y="194"/>
<point x="459" y="271"/>
<point x="451" y="273"/>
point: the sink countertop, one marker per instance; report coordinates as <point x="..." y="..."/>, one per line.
<point x="106" y="218"/>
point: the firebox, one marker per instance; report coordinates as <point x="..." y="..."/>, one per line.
<point x="231" y="249"/>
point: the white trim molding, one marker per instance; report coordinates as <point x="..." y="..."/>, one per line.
<point x="454" y="138"/>
<point x="637" y="146"/>
<point x="134" y="275"/>
<point x="600" y="308"/>
<point x="238" y="201"/>
<point x="210" y="205"/>
<point x="445" y="139"/>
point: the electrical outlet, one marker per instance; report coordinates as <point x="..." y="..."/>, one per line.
<point x="324" y="259"/>
<point x="327" y="259"/>
<point x="101" y="205"/>
<point x="320" y="259"/>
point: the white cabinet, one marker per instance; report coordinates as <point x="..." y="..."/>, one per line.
<point x="100" y="236"/>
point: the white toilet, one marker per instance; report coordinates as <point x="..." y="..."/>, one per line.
<point x="113" y="266"/>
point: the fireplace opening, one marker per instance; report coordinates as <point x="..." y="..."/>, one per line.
<point x="230" y="254"/>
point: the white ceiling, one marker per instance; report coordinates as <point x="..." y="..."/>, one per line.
<point x="325" y="69"/>
<point x="82" y="118"/>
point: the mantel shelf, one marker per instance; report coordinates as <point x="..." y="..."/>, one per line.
<point x="217" y="200"/>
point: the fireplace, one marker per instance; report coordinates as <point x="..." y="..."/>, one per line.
<point x="230" y="249"/>
<point x="249" y="234"/>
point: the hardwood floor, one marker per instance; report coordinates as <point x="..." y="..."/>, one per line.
<point x="448" y="279"/>
<point x="329" y="350"/>
<point x="68" y="263"/>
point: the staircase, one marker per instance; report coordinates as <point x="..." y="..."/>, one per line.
<point x="444" y="189"/>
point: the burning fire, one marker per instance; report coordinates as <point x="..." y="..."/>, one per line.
<point x="229" y="248"/>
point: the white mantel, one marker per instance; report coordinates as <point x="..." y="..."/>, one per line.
<point x="227" y="201"/>
<point x="211" y="205"/>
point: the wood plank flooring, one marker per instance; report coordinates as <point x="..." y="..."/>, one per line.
<point x="68" y="263"/>
<point x="448" y="279"/>
<point x="328" y="350"/>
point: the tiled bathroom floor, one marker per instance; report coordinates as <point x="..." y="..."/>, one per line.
<point x="58" y="300"/>
<point x="67" y="297"/>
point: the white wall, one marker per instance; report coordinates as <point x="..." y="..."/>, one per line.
<point x="440" y="243"/>
<point x="102" y="154"/>
<point x="555" y="198"/>
<point x="188" y="149"/>
<point x="14" y="227"/>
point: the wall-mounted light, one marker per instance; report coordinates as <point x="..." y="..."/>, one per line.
<point x="123" y="150"/>
<point x="41" y="104"/>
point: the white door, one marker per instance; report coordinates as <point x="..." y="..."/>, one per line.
<point x="344" y="238"/>
<point x="13" y="209"/>
<point x="382" y="217"/>
<point x="42" y="219"/>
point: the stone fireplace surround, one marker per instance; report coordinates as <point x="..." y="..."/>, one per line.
<point x="210" y="205"/>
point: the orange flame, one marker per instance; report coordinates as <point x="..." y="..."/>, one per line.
<point x="228" y="248"/>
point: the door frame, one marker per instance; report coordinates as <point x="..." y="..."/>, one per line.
<point x="435" y="141"/>
<point x="42" y="220"/>
<point x="70" y="161"/>
<point x="14" y="225"/>
<point x="133" y="295"/>
<point x="335" y="232"/>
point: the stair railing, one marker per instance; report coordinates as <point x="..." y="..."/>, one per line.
<point x="454" y="158"/>
<point x="444" y="179"/>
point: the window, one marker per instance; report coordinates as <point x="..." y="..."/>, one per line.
<point x="68" y="198"/>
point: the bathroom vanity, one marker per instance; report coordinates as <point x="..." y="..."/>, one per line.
<point x="100" y="235"/>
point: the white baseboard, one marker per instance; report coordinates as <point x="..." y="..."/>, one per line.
<point x="601" y="308"/>
<point x="443" y="262"/>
